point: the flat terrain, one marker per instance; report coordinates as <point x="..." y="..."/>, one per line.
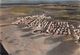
<point x="19" y="42"/>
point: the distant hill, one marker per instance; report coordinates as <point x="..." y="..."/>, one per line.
<point x="37" y="3"/>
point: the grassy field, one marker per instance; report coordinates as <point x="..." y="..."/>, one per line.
<point x="21" y="9"/>
<point x="62" y="13"/>
<point x="25" y="10"/>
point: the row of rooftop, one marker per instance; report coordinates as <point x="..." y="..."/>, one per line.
<point x="40" y="22"/>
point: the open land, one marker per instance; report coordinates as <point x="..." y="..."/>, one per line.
<point x="18" y="41"/>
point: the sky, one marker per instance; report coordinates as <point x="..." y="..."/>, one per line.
<point x="32" y="1"/>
